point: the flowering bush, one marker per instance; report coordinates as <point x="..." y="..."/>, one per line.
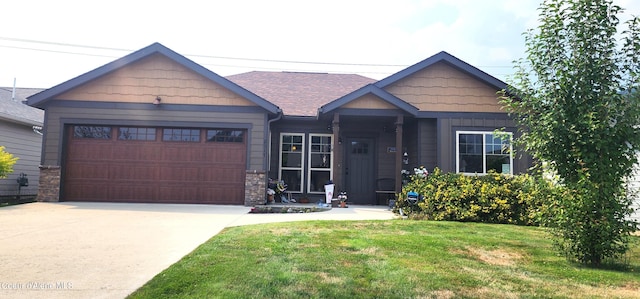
<point x="491" y="198"/>
<point x="421" y="172"/>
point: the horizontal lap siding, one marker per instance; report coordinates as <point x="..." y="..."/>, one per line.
<point x="23" y="143"/>
<point x="55" y="116"/>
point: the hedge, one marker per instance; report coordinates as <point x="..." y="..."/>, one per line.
<point x="492" y="198"/>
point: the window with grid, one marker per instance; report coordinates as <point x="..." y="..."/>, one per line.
<point x="292" y="160"/>
<point x="320" y="162"/>
<point x="135" y="133"/>
<point x="184" y="135"/>
<point x="481" y="152"/>
<point x="225" y="136"/>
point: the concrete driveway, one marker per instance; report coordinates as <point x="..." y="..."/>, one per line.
<point x="108" y="250"/>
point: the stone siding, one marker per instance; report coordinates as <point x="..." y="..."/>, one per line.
<point x="255" y="188"/>
<point x="49" y="189"/>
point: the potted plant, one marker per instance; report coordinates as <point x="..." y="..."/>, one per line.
<point x="270" y="194"/>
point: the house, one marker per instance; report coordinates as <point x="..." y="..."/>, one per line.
<point x="154" y="126"/>
<point x="17" y="135"/>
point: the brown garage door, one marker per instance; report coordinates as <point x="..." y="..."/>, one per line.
<point x="167" y="165"/>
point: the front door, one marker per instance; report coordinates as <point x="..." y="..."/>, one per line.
<point x="359" y="170"/>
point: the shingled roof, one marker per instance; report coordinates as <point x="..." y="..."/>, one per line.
<point x="299" y="94"/>
<point x="15" y="110"/>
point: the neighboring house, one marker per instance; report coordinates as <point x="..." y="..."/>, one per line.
<point x="17" y="135"/>
<point x="154" y="126"/>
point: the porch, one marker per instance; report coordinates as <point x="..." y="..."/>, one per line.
<point x="360" y="154"/>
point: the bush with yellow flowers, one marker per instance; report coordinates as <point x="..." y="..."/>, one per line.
<point x="492" y="198"/>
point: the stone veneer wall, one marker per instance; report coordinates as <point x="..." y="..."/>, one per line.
<point x="255" y="188"/>
<point x="49" y="189"/>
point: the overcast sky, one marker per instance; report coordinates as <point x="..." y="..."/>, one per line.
<point x="45" y="43"/>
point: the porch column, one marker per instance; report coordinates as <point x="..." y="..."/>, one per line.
<point x="399" y="152"/>
<point x="337" y="153"/>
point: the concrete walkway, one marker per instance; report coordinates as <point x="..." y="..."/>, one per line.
<point x="108" y="250"/>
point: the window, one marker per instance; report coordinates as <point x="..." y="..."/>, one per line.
<point x="292" y="160"/>
<point x="225" y="136"/>
<point x="130" y="133"/>
<point x="186" y="135"/>
<point x="481" y="152"/>
<point x="320" y="161"/>
<point x="92" y="132"/>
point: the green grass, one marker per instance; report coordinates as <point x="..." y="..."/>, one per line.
<point x="387" y="259"/>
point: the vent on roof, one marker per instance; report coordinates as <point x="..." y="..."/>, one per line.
<point x="13" y="93"/>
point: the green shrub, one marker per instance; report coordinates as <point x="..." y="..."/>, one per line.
<point x="492" y="198"/>
<point x="7" y="160"/>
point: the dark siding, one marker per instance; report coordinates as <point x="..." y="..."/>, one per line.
<point x="446" y="130"/>
<point x="428" y="141"/>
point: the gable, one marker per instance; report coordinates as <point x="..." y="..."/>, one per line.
<point x="155" y="75"/>
<point x="369" y="101"/>
<point x="443" y="88"/>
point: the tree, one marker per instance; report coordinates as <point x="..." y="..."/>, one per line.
<point x="575" y="98"/>
<point x="7" y="161"/>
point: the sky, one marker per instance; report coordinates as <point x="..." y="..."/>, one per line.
<point x="44" y="43"/>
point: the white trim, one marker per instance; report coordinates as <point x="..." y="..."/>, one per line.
<point x="302" y="162"/>
<point x="484" y="156"/>
<point x="309" y="169"/>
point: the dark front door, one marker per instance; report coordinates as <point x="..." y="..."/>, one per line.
<point x="359" y="171"/>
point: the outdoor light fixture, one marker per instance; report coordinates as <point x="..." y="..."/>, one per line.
<point x="157" y="100"/>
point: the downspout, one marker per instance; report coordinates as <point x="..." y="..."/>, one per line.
<point x="267" y="161"/>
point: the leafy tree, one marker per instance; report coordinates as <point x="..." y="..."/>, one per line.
<point x="7" y="161"/>
<point x="574" y="95"/>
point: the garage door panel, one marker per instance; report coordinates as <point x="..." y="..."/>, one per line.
<point x="228" y="155"/>
<point x="137" y="151"/>
<point x="133" y="171"/>
<point x="88" y="170"/>
<point x="88" y="190"/>
<point x="154" y="171"/>
<point x="179" y="193"/>
<point x="127" y="191"/>
<point x="180" y="173"/>
<point x="85" y="151"/>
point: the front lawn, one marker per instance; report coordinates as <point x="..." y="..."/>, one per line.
<point x="387" y="259"/>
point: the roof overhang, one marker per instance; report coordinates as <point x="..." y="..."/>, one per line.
<point x="369" y="89"/>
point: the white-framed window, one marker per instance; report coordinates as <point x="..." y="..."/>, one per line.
<point x="320" y="161"/>
<point x="480" y="152"/>
<point x="292" y="160"/>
